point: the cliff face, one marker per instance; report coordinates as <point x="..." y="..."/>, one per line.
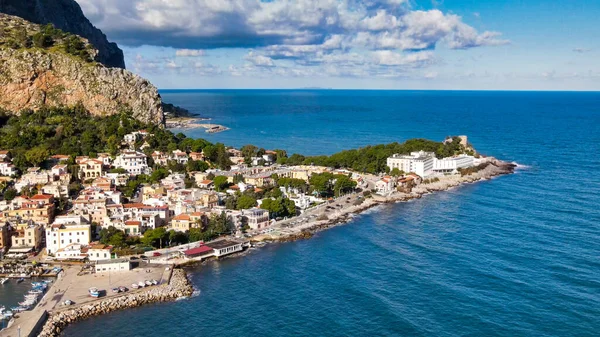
<point x="67" y="16"/>
<point x="48" y="67"/>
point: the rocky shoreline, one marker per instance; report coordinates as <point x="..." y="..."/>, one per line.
<point x="494" y="168"/>
<point x="178" y="287"/>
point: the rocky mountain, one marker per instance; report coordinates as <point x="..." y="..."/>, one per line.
<point x="67" y="16"/>
<point x="41" y="65"/>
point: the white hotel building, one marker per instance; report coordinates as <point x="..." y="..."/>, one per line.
<point x="67" y="230"/>
<point x="452" y="164"/>
<point x="420" y="163"/>
<point x="133" y="162"/>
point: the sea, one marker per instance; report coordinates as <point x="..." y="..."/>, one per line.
<point x="518" y="255"/>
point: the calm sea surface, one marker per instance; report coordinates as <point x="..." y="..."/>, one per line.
<point x="515" y="256"/>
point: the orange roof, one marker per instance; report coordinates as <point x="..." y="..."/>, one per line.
<point x="182" y="217"/>
<point x="42" y="196"/>
<point x="133" y="223"/>
<point x="206" y="182"/>
<point x="197" y="214"/>
<point x="134" y="205"/>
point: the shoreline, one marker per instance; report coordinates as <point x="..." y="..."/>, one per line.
<point x="193" y="123"/>
<point x="179" y="285"/>
<point x="345" y="214"/>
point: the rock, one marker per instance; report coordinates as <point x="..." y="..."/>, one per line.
<point x="67" y="16"/>
<point x="34" y="77"/>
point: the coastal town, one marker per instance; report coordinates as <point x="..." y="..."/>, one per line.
<point x="92" y="221"/>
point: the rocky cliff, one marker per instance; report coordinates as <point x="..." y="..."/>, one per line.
<point x="43" y="66"/>
<point x="67" y="16"/>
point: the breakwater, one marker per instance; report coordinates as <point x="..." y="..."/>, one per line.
<point x="178" y="287"/>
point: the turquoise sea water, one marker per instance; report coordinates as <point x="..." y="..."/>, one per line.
<point x="515" y="256"/>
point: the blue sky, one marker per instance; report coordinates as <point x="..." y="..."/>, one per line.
<point x="390" y="44"/>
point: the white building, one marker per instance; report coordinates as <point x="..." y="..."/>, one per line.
<point x="224" y="247"/>
<point x="385" y="185"/>
<point x="133" y="162"/>
<point x="114" y="265"/>
<point x="7" y="169"/>
<point x="99" y="252"/>
<point x="257" y="218"/>
<point x="452" y="164"/>
<point x="420" y="163"/>
<point x="67" y="230"/>
<point x="131" y="137"/>
<point x="174" y="180"/>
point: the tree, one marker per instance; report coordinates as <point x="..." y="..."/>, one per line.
<point x="41" y="40"/>
<point x="343" y="184"/>
<point x="246" y="202"/>
<point x="37" y="155"/>
<point x="176" y="237"/>
<point x="196" y="166"/>
<point x="10" y="194"/>
<point x="156" y="237"/>
<point x="112" y="236"/>
<point x="220" y="183"/>
<point x="158" y="174"/>
<point x="396" y="172"/>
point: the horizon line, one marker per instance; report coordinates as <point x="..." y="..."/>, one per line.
<point x="383" y="89"/>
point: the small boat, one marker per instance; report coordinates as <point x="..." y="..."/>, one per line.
<point x="155" y="282"/>
<point x="115" y="290"/>
<point x="122" y="289"/>
<point x="3" y="280"/>
<point x="20" y="279"/>
<point x="35" y="291"/>
<point x="68" y="302"/>
<point x="141" y="284"/>
<point x="148" y="283"/>
<point x="134" y="285"/>
<point x="18" y="309"/>
<point x="7" y="314"/>
<point x="94" y="292"/>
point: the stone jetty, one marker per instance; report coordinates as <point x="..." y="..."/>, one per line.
<point x="178" y="287"/>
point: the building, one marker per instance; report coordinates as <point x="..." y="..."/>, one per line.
<point x="452" y="164"/>
<point x="160" y="158"/>
<point x="131" y="137"/>
<point x="225" y="247"/>
<point x="174" y="180"/>
<point x="90" y="169"/>
<point x="419" y="162"/>
<point x="199" y="252"/>
<point x="27" y="235"/>
<point x="385" y="185"/>
<point x="196" y="156"/>
<point x="133" y="162"/>
<point x="113" y="265"/>
<point x="185" y="222"/>
<point x="39" y="209"/>
<point x="73" y="251"/>
<point x="98" y="252"/>
<point x="257" y="218"/>
<point x="67" y="230"/>
<point x="179" y="156"/>
<point x="4" y="237"/>
<point x="7" y="169"/>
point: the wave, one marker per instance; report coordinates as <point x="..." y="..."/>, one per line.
<point x="521" y="166"/>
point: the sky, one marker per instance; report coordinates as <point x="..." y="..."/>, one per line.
<point x="357" y="44"/>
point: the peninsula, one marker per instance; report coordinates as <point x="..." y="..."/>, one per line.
<point x="115" y="186"/>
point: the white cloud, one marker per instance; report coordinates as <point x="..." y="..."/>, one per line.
<point x="189" y="53"/>
<point x="581" y="50"/>
<point x="259" y="60"/>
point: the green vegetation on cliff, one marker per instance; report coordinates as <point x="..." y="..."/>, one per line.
<point x="18" y="34"/>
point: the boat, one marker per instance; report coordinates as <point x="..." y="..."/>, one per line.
<point x="115" y="290"/>
<point x="148" y="283"/>
<point x="141" y="284"/>
<point x="35" y="291"/>
<point x="18" y="309"/>
<point x="7" y="314"/>
<point x="122" y="289"/>
<point x="3" y="280"/>
<point x="68" y="302"/>
<point x="155" y="282"/>
<point x="20" y="279"/>
<point x="134" y="285"/>
<point x="94" y="292"/>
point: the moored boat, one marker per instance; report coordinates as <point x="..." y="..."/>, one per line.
<point x="115" y="290"/>
<point x="155" y="282"/>
<point x="3" y="280"/>
<point x="148" y="283"/>
<point x="141" y="284"/>
<point x="20" y="279"/>
<point x="135" y="286"/>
